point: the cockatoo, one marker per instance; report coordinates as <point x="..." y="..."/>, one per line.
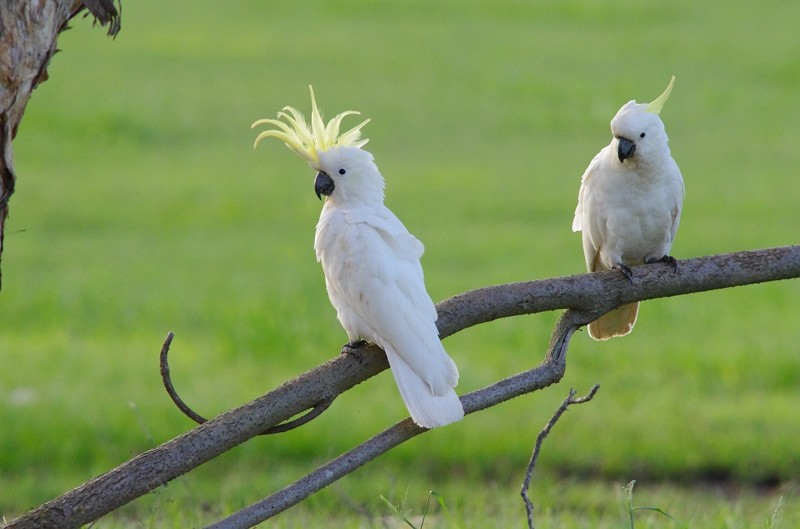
<point x="629" y="204"/>
<point x="372" y="263"/>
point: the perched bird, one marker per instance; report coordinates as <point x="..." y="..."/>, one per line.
<point x="629" y="204"/>
<point x="372" y="263"/>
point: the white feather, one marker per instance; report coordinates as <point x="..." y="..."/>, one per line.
<point x="628" y="211"/>
<point x="375" y="281"/>
<point x="426" y="409"/>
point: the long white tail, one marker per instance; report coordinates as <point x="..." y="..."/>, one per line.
<point x="427" y="410"/>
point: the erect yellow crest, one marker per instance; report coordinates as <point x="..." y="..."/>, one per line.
<point x="658" y="103"/>
<point x="307" y="141"/>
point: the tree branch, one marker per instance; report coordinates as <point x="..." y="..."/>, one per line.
<point x="603" y="291"/>
<point x="547" y="373"/>
<point x="589" y="295"/>
<point x="315" y="411"/>
<point x="526" y="483"/>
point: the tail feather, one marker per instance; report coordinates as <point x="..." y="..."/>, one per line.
<point x="618" y="322"/>
<point x="427" y="409"/>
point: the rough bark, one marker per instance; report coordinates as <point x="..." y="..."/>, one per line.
<point x="28" y="33"/>
<point x="550" y="371"/>
<point x="587" y="295"/>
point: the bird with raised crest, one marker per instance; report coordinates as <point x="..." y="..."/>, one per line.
<point x="372" y="263"/>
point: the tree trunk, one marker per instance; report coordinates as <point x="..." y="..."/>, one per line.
<point x="28" y="33"/>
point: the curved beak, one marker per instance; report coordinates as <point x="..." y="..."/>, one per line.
<point x="625" y="149"/>
<point x="323" y="185"/>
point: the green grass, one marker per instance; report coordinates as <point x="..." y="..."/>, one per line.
<point x="141" y="208"/>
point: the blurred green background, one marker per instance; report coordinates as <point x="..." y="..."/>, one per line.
<point x="141" y="208"/>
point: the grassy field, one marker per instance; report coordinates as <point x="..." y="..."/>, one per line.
<point x="141" y="208"/>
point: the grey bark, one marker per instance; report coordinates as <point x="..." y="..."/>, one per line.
<point x="28" y="33"/>
<point x="537" y="447"/>
<point x="587" y="296"/>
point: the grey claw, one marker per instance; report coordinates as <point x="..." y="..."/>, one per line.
<point x="352" y="349"/>
<point x="626" y="271"/>
<point x="667" y="259"/>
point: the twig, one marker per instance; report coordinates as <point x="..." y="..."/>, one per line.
<point x="540" y="439"/>
<point x="315" y="411"/>
<point x="167" y="380"/>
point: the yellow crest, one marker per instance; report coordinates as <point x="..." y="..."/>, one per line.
<point x="658" y="103"/>
<point x="308" y="140"/>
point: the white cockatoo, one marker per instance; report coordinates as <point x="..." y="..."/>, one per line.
<point x="629" y="204"/>
<point x="372" y="263"/>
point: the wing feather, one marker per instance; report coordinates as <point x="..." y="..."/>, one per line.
<point x="583" y="218"/>
<point x="375" y="281"/>
<point x="577" y="221"/>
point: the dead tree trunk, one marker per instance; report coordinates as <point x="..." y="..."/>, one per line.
<point x="28" y="33"/>
<point x="585" y="296"/>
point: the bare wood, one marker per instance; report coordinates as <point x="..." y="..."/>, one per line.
<point x="548" y="372"/>
<point x="309" y="416"/>
<point x="602" y="291"/>
<point x="588" y="294"/>
<point x="537" y="447"/>
<point x="28" y="33"/>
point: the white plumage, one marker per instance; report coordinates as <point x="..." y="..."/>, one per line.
<point x="372" y="266"/>
<point x="629" y="204"/>
<point x="375" y="282"/>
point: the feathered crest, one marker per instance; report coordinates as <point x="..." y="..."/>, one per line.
<point x="658" y="103"/>
<point x="308" y="140"/>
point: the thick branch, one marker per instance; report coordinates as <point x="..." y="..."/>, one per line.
<point x="589" y="294"/>
<point x="547" y="373"/>
<point x="602" y="291"/>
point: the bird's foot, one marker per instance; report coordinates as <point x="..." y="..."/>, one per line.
<point x="352" y="349"/>
<point x="667" y="259"/>
<point x="626" y="271"/>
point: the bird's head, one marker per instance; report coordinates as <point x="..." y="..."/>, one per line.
<point x="638" y="132"/>
<point x="345" y="172"/>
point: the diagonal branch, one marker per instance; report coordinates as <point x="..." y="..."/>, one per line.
<point x="588" y="294"/>
<point x="547" y="373"/>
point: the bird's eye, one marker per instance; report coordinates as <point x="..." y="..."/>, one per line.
<point x="342" y="171"/>
<point x="641" y="135"/>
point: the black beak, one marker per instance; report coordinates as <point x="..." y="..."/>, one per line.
<point x="625" y="149"/>
<point x="323" y="185"/>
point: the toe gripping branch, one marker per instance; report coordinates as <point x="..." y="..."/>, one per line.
<point x="625" y="270"/>
<point x="315" y="411"/>
<point x="628" y="273"/>
<point x="667" y="259"/>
